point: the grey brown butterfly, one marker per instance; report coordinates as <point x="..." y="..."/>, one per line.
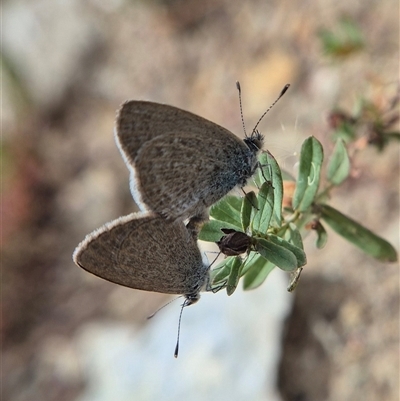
<point x="146" y="252"/>
<point x="181" y="163"/>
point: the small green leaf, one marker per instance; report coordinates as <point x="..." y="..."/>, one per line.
<point x="311" y="158"/>
<point x="358" y="235"/>
<point x="211" y="230"/>
<point x="298" y="252"/>
<point x="263" y="173"/>
<point x="272" y="173"/>
<point x="392" y="135"/>
<point x="249" y="203"/>
<point x="322" y="235"/>
<point x="277" y="254"/>
<point x="228" y="209"/>
<point x="339" y="164"/>
<point x="277" y="183"/>
<point x="233" y="279"/>
<point x="262" y="216"/>
<point x="381" y="139"/>
<point x="294" y="236"/>
<point x="257" y="270"/>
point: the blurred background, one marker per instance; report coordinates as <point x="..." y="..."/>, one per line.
<point x="66" y="68"/>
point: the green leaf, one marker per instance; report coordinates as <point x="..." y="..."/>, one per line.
<point x="277" y="254"/>
<point x="263" y="173"/>
<point x="339" y="164"/>
<point x="294" y="236"/>
<point x="257" y="270"/>
<point x="311" y="158"/>
<point x="271" y="172"/>
<point x="277" y="183"/>
<point x="249" y="203"/>
<point x="262" y="216"/>
<point x="211" y="230"/>
<point x="358" y="235"/>
<point x="233" y="279"/>
<point x="322" y="235"/>
<point x="228" y="209"/>
<point x="392" y="135"/>
<point x="382" y="139"/>
<point x="298" y="252"/>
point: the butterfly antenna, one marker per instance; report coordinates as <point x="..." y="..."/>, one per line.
<point x="162" y="307"/>
<point x="240" y="104"/>
<point x="179" y="329"/>
<point x="285" y="88"/>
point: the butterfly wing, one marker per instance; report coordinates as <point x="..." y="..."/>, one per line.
<point x="178" y="176"/>
<point x="144" y="252"/>
<point x="138" y="122"/>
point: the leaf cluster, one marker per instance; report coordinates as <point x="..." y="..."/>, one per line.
<point x="272" y="224"/>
